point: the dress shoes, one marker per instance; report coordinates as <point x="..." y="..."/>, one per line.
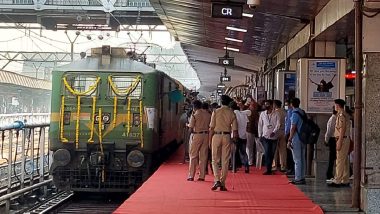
<point x="190" y="179"/>
<point x="299" y="182"/>
<point x="334" y="185"/>
<point x="246" y="169"/>
<point x="290" y="172"/>
<point x="201" y="179"/>
<point x="216" y="185"/>
<point x="267" y="173"/>
<point x="223" y="188"/>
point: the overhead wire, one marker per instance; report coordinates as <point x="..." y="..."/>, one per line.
<point x="10" y="40"/>
<point x="30" y="36"/>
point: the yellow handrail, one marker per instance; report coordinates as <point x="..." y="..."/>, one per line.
<point x="128" y="90"/>
<point x="100" y="130"/>
<point x="101" y="141"/>
<point x="114" y="111"/>
<point x="141" y="124"/>
<point x="129" y="116"/>
<point x="91" y="89"/>
<point x="91" y="140"/>
<point x="77" y="123"/>
<point x="63" y="139"/>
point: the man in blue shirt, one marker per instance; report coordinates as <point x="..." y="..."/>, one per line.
<point x="295" y="143"/>
<point x="288" y="124"/>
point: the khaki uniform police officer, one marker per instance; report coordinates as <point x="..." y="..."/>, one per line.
<point x="199" y="123"/>
<point x="223" y="121"/>
<point x="342" y="135"/>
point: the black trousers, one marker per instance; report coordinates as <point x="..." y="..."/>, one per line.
<point x="241" y="146"/>
<point x="270" y="149"/>
<point x="289" y="157"/>
<point x="332" y="158"/>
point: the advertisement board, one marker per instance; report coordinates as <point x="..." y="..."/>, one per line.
<point x="285" y="85"/>
<point x="319" y="83"/>
<point x="289" y="85"/>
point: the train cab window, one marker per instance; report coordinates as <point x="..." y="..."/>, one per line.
<point x="80" y="83"/>
<point x="125" y="86"/>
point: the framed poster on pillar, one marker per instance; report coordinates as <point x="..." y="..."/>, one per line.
<point x="319" y="83"/>
<point x="286" y="85"/>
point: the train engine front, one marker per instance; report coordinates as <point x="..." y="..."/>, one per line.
<point x="99" y="130"/>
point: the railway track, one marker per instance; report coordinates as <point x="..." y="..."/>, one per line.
<point x="50" y="204"/>
<point x="68" y="202"/>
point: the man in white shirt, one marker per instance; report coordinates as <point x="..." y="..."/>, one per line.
<point x="242" y="121"/>
<point x="269" y="126"/>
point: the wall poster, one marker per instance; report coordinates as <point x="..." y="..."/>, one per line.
<point x="289" y="85"/>
<point x="322" y="85"/>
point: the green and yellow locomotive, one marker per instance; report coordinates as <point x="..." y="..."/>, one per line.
<point x="112" y="121"/>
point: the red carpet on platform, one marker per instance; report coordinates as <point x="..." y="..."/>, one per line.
<point x="168" y="192"/>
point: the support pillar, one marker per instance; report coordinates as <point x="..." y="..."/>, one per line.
<point x="371" y="147"/>
<point x="318" y="156"/>
<point x="370" y="164"/>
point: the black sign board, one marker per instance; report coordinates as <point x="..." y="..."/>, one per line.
<point x="227" y="10"/>
<point x="226" y="61"/>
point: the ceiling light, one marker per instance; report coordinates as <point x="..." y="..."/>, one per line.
<point x="231" y="49"/>
<point x="233" y="40"/>
<point x="236" y="29"/>
<point x="248" y="15"/>
<point x="221" y="85"/>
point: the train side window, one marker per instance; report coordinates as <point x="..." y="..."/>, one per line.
<point x="170" y="102"/>
<point x="80" y="83"/>
<point x="125" y="86"/>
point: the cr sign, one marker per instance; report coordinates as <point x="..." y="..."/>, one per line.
<point x="227" y="10"/>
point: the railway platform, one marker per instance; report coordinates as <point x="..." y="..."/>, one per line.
<point x="167" y="192"/>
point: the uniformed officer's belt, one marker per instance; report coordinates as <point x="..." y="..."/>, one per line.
<point x="343" y="137"/>
<point x="204" y="132"/>
<point x="222" y="133"/>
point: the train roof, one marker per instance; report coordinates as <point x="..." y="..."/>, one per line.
<point x="117" y="65"/>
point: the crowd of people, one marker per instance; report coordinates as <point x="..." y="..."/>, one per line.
<point x="229" y="135"/>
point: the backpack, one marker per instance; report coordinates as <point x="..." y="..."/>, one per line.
<point x="309" y="131"/>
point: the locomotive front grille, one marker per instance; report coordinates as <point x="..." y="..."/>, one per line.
<point x="82" y="180"/>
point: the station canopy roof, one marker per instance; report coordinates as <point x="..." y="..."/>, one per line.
<point x="202" y="37"/>
<point x="35" y="54"/>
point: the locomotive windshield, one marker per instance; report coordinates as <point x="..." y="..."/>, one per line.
<point x="80" y="83"/>
<point x="125" y="86"/>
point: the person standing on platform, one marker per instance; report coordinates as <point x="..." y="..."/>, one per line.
<point x="342" y="135"/>
<point x="206" y="107"/>
<point x="294" y="142"/>
<point x="281" y="145"/>
<point x="252" y="132"/>
<point x="241" y="144"/>
<point x="288" y="124"/>
<point x="268" y="128"/>
<point x="223" y="121"/>
<point x="199" y="125"/>
<point x="330" y="141"/>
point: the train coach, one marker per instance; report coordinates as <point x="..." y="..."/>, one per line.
<point x="112" y="121"/>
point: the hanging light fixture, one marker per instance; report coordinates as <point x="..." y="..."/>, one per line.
<point x="224" y="77"/>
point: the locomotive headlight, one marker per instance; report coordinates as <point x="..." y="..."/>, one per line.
<point x="61" y="157"/>
<point x="135" y="158"/>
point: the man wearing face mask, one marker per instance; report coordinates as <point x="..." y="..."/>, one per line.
<point x="268" y="128"/>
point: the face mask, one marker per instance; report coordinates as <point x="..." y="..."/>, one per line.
<point x="286" y="107"/>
